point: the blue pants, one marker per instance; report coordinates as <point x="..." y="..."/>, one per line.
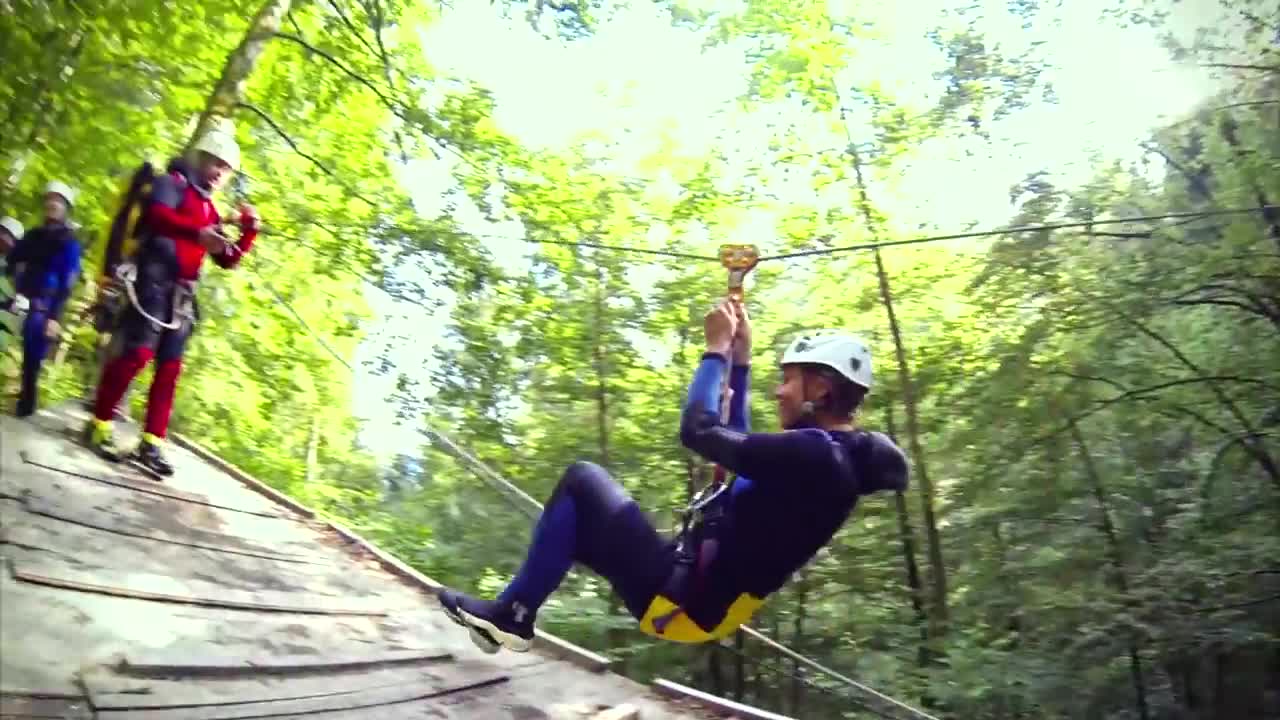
<point x="591" y="520"/>
<point x="35" y="346"/>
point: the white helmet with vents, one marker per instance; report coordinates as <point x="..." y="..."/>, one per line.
<point x="13" y="226"/>
<point x="57" y="187"/>
<point x="220" y="142"/>
<point x="843" y="352"/>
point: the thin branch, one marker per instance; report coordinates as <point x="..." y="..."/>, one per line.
<point x="1227" y="402"/>
<point x="378" y="20"/>
<point x="1140" y="394"/>
<point x="350" y="26"/>
<point x="1233" y="66"/>
<point x="391" y="104"/>
<point x="1239" y="605"/>
<point x="1169" y="412"/>
<point x="1132" y="236"/>
<point x="314" y="160"/>
<point x="396" y="107"/>
<point x="1251" y="103"/>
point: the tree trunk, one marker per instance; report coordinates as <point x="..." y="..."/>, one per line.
<point x="1119" y="579"/>
<point x="938" y="573"/>
<point x="797" y="641"/>
<point x="229" y="91"/>
<point x="937" y="570"/>
<point x="908" y="537"/>
<point x="616" y="637"/>
<point x="313" y="451"/>
<point x="739" y="665"/>
<point x="715" y="674"/>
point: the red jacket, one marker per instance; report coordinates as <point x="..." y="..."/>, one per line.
<point x="178" y="210"/>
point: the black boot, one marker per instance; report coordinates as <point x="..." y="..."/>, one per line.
<point x="26" y="404"/>
<point x="492" y="624"/>
<point x="148" y="455"/>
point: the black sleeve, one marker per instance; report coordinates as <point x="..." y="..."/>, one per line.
<point x="20" y="252"/>
<point x="886" y="466"/>
<point x="793" y="456"/>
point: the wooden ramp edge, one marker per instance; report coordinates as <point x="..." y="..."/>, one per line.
<point x="550" y="644"/>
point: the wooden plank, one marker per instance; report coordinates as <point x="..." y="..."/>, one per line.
<point x="421" y="691"/>
<point x="243" y="477"/>
<point x="75" y="435"/>
<point x="183" y="665"/>
<point x="738" y="710"/>
<point x="149" y="488"/>
<point x="115" y="691"/>
<point x="620" y="712"/>
<point x="146" y="587"/>
<point x="545" y="642"/>
<point x="533" y="693"/>
<point x="229" y="544"/>
<point x="389" y="562"/>
<point x="28" y="704"/>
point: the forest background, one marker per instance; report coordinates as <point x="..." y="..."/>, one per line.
<point x="1091" y="409"/>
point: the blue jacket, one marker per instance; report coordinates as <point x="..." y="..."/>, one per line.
<point x="46" y="263"/>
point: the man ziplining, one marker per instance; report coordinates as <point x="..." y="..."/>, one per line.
<point x="792" y="492"/>
<point x="180" y="226"/>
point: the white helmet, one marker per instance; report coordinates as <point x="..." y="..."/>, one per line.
<point x="58" y="187"/>
<point x="13" y="226"/>
<point x="220" y="142"/>
<point x="845" y="353"/>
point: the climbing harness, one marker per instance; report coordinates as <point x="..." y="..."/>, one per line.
<point x="110" y="302"/>
<point x="127" y="274"/>
<point x="703" y="519"/>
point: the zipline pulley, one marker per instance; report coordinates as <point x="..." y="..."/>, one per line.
<point x="738" y="260"/>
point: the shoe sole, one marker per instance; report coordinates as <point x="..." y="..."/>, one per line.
<point x="486" y="644"/>
<point x="486" y="635"/>
<point x="141" y="467"/>
<point x="514" y="643"/>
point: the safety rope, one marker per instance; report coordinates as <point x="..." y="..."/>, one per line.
<point x="1189" y="215"/>
<point x="127" y="273"/>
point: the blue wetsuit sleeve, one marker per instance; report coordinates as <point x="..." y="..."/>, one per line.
<point x="704" y="391"/>
<point x="739" y="407"/>
<point x="794" y="457"/>
<point x="65" y="273"/>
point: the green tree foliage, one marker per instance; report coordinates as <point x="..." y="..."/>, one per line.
<point x="1095" y="406"/>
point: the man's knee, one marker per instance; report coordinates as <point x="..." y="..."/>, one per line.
<point x="583" y="475"/>
<point x="172" y="346"/>
<point x="592" y="487"/>
<point x="168" y="369"/>
<point x="135" y="357"/>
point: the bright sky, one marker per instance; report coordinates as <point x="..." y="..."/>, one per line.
<point x="638" y="80"/>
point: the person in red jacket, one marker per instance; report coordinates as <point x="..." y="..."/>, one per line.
<point x="181" y="227"/>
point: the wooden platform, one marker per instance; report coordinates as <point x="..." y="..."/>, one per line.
<point x="207" y="598"/>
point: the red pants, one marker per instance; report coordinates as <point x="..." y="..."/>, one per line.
<point x="143" y="341"/>
<point x="117" y="375"/>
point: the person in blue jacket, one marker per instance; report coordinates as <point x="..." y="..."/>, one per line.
<point x="45" y="264"/>
<point x="791" y="493"/>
